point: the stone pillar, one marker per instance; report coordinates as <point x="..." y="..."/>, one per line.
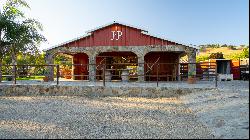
<point x="108" y="75"/>
<point x="141" y="69"/>
<point x="191" y="53"/>
<point x="125" y="75"/>
<point x="92" y="68"/>
<point x="49" y="69"/>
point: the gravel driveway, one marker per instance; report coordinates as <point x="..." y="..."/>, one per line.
<point x="78" y="117"/>
<point x="222" y="113"/>
<point x="225" y="111"/>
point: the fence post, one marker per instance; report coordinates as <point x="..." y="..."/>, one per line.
<point x="57" y="74"/>
<point x="14" y="74"/>
<point x="103" y="79"/>
<point x="216" y="76"/>
<point x="157" y="75"/>
<point x="1" y="72"/>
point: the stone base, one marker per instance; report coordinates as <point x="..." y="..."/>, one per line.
<point x="225" y="77"/>
<point x="94" y="91"/>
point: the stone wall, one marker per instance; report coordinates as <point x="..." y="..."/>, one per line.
<point x="94" y="91"/>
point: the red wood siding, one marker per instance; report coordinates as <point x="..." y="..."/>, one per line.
<point x="235" y="69"/>
<point x="80" y="58"/>
<point x="130" y="37"/>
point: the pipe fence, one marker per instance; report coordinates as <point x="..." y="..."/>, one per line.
<point x="124" y="72"/>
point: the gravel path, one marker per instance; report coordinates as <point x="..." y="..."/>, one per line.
<point x="78" y="117"/>
<point x="225" y="111"/>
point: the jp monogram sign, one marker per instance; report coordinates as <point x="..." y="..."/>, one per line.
<point x="116" y="35"/>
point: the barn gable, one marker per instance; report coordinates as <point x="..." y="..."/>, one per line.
<point x="116" y="34"/>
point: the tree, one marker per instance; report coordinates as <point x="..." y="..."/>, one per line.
<point x="25" y="37"/>
<point x="225" y="45"/>
<point x="8" y="17"/>
<point x="17" y="33"/>
<point x="245" y="52"/>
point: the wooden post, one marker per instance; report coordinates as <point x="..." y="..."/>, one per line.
<point x="103" y="79"/>
<point x="239" y="70"/>
<point x="216" y="76"/>
<point x="157" y="75"/>
<point x="1" y="72"/>
<point x="14" y="74"/>
<point x="57" y="74"/>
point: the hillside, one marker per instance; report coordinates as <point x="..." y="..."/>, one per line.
<point x="225" y="50"/>
<point x="233" y="53"/>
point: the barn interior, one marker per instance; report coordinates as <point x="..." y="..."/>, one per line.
<point x="116" y="62"/>
<point x="168" y="68"/>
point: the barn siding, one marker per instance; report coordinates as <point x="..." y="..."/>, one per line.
<point x="130" y="37"/>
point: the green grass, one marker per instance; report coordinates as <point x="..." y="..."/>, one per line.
<point x="31" y="78"/>
<point x="28" y="78"/>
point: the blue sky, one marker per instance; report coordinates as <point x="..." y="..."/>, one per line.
<point x="186" y="21"/>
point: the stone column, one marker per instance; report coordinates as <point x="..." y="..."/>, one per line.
<point x="108" y="75"/>
<point x="92" y="68"/>
<point x="141" y="68"/>
<point x="49" y="69"/>
<point x="191" y="53"/>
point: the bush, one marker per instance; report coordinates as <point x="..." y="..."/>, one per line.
<point x="202" y="58"/>
<point x="202" y="48"/>
<point x="66" y="72"/>
<point x="218" y="55"/>
<point x="231" y="47"/>
<point x="245" y="52"/>
<point x="9" y="78"/>
<point x="237" y="56"/>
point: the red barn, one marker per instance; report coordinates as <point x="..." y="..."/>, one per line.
<point x="127" y="45"/>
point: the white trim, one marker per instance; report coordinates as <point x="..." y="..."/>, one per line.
<point x="160" y="37"/>
<point x="61" y="44"/>
<point x="100" y="27"/>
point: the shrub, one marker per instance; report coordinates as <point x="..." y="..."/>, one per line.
<point x="66" y="72"/>
<point x="218" y="55"/>
<point x="202" y="58"/>
<point x="231" y="47"/>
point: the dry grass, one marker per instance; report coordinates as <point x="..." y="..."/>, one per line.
<point x="226" y="51"/>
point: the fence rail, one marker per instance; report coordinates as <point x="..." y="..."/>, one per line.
<point x="153" y="72"/>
